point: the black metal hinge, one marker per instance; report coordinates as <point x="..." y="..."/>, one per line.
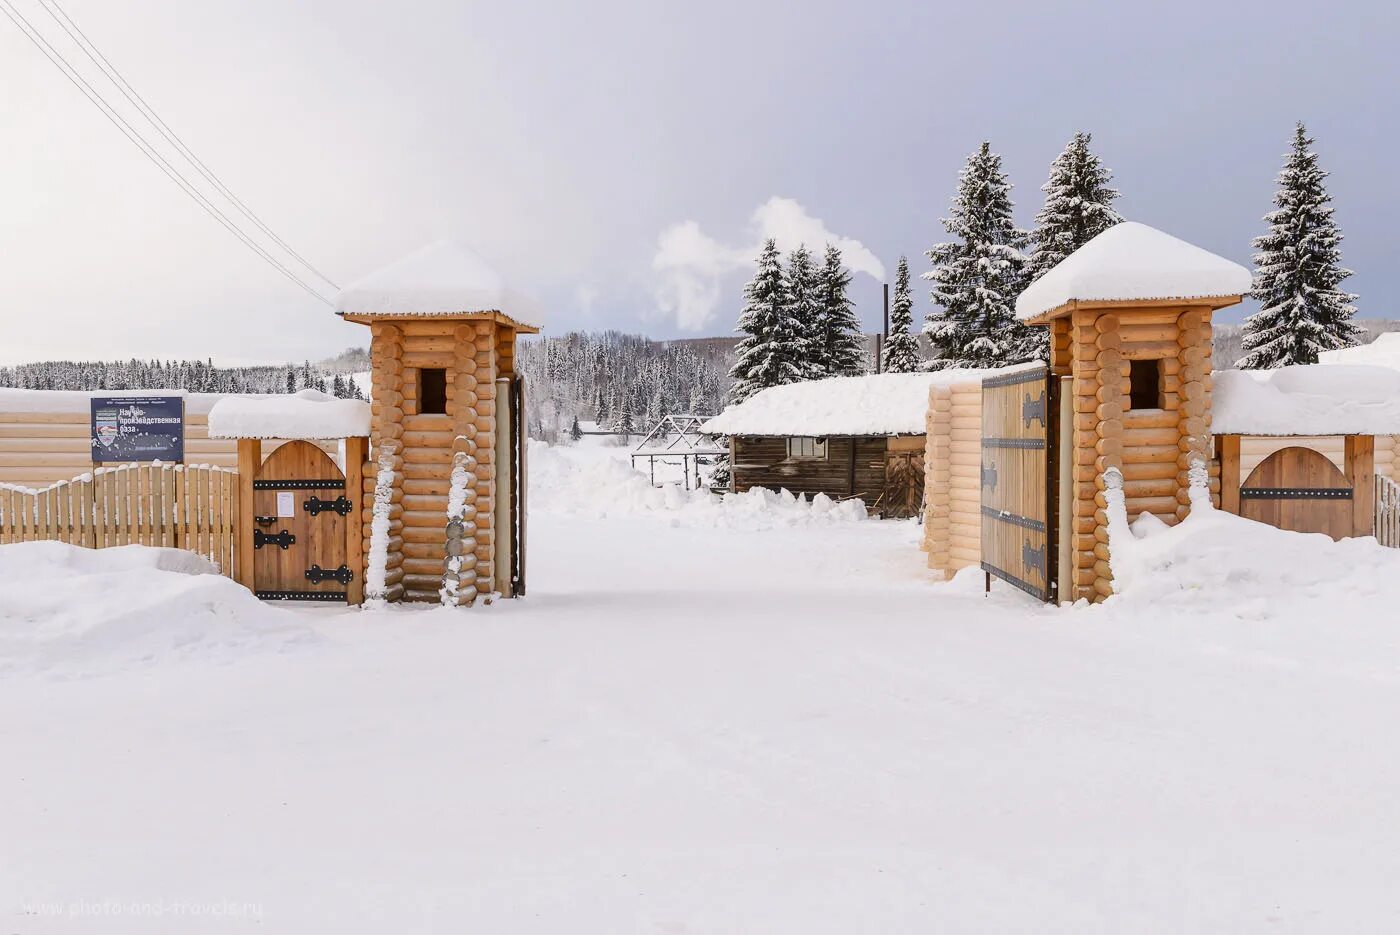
<point x="316" y="505"/>
<point x="328" y="484"/>
<point x="282" y="539"/>
<point x="316" y="574"/>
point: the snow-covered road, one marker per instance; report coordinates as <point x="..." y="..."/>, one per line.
<point x="699" y="730"/>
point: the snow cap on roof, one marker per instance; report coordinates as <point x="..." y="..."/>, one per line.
<point x="1131" y="261"/>
<point x="1384" y="351"/>
<point x="309" y="414"/>
<point x="875" y="404"/>
<point x="1307" y="400"/>
<point x="443" y="278"/>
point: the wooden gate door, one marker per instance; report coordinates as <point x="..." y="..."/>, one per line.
<point x="1299" y="489"/>
<point x="1017" y="499"/>
<point x="903" y="495"/>
<point x="299" y="511"/>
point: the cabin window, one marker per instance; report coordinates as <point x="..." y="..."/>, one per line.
<point x="432" y="391"/>
<point x="806" y="448"/>
<point x="1145" y="384"/>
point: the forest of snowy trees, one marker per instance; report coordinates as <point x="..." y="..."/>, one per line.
<point x="195" y="376"/>
<point x="623" y="382"/>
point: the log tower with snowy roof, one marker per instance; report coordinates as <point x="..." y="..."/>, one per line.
<point x="1129" y="315"/>
<point x="443" y="516"/>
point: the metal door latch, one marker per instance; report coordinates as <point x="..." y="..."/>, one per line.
<point x="316" y="505"/>
<point x="265" y="521"/>
<point x="283" y="539"/>
<point x="316" y="574"/>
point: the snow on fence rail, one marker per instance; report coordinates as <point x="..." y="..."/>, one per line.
<point x="191" y="507"/>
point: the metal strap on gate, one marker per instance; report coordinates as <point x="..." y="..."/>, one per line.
<point x="1295" y="493"/>
<point x="299" y="484"/>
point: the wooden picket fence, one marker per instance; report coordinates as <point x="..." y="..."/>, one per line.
<point x="192" y="507"/>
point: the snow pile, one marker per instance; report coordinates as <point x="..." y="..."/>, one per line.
<point x="1215" y="560"/>
<point x="1307" y="400"/>
<point x="875" y="404"/>
<point x="77" y="610"/>
<point x="442" y="278"/>
<point x="18" y="400"/>
<point x="309" y="414"/>
<point x="595" y="483"/>
<point x="1382" y="352"/>
<point x="1133" y="261"/>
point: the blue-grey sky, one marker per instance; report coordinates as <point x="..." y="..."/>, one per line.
<point x="619" y="160"/>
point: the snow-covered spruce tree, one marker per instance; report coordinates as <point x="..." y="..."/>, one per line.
<point x="1078" y="206"/>
<point x="977" y="275"/>
<point x="771" y="353"/>
<point x="804" y="312"/>
<point x="901" y="353"/>
<point x="1297" y="272"/>
<point x="575" y="430"/>
<point x="839" y="350"/>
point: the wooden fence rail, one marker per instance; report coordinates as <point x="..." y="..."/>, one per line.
<point x="192" y="507"/>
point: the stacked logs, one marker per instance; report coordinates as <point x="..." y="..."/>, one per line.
<point x="480" y="425"/>
<point x="1194" y="444"/>
<point x="386" y="413"/>
<point x="461" y="528"/>
<point x="1084" y="348"/>
<point x="937" y="476"/>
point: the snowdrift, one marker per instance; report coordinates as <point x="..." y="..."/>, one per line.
<point x="1215" y="561"/>
<point x="78" y="610"/>
<point x="596" y="482"/>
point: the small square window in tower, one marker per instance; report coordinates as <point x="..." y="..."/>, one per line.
<point x="1145" y="382"/>
<point x="432" y="391"/>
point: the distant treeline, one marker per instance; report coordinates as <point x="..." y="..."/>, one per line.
<point x="195" y="376"/>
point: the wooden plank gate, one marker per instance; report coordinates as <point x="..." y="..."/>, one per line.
<point x="301" y="511"/>
<point x="1018" y="542"/>
<point x="1299" y="489"/>
<point x="193" y="507"/>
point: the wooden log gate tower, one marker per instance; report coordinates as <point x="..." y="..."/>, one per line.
<point x="1134" y="379"/>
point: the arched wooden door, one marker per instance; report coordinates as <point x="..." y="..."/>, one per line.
<point x="300" y="511"/>
<point x="1299" y="489"/>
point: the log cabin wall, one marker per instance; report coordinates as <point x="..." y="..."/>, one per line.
<point x="953" y="477"/>
<point x="854" y="467"/>
<point x="1152" y="446"/>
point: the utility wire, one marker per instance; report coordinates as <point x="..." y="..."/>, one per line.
<point x="54" y="56"/>
<point x="76" y="33"/>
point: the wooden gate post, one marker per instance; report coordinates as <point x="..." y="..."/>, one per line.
<point x="249" y="460"/>
<point x="356" y="453"/>
<point x="1360" y="457"/>
<point x="1227" y="452"/>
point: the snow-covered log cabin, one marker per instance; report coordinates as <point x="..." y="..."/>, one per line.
<point x="845" y="437"/>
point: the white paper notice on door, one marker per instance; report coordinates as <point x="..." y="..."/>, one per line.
<point x="286" y="504"/>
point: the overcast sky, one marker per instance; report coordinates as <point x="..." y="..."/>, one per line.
<point x="620" y="161"/>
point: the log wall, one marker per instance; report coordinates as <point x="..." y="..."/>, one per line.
<point x="953" y="477"/>
<point x="853" y="467"/>
<point x="474" y="354"/>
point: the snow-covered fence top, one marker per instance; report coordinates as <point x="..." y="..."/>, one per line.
<point x="309" y="414"/>
<point x="1133" y="262"/>
<point x="79" y="401"/>
<point x="876" y="404"/>
<point x="1313" y="400"/>
<point x="1384" y="351"/>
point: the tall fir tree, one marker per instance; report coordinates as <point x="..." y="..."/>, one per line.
<point x="1298" y="270"/>
<point x="901" y="352"/>
<point x="839" y="349"/>
<point x="769" y="353"/>
<point x="805" y="313"/>
<point x="977" y="275"/>
<point x="1078" y="206"/>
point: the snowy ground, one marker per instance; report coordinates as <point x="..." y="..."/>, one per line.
<point x="701" y="721"/>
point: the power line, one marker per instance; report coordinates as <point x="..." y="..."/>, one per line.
<point x="134" y="97"/>
<point x="54" y="56"/>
